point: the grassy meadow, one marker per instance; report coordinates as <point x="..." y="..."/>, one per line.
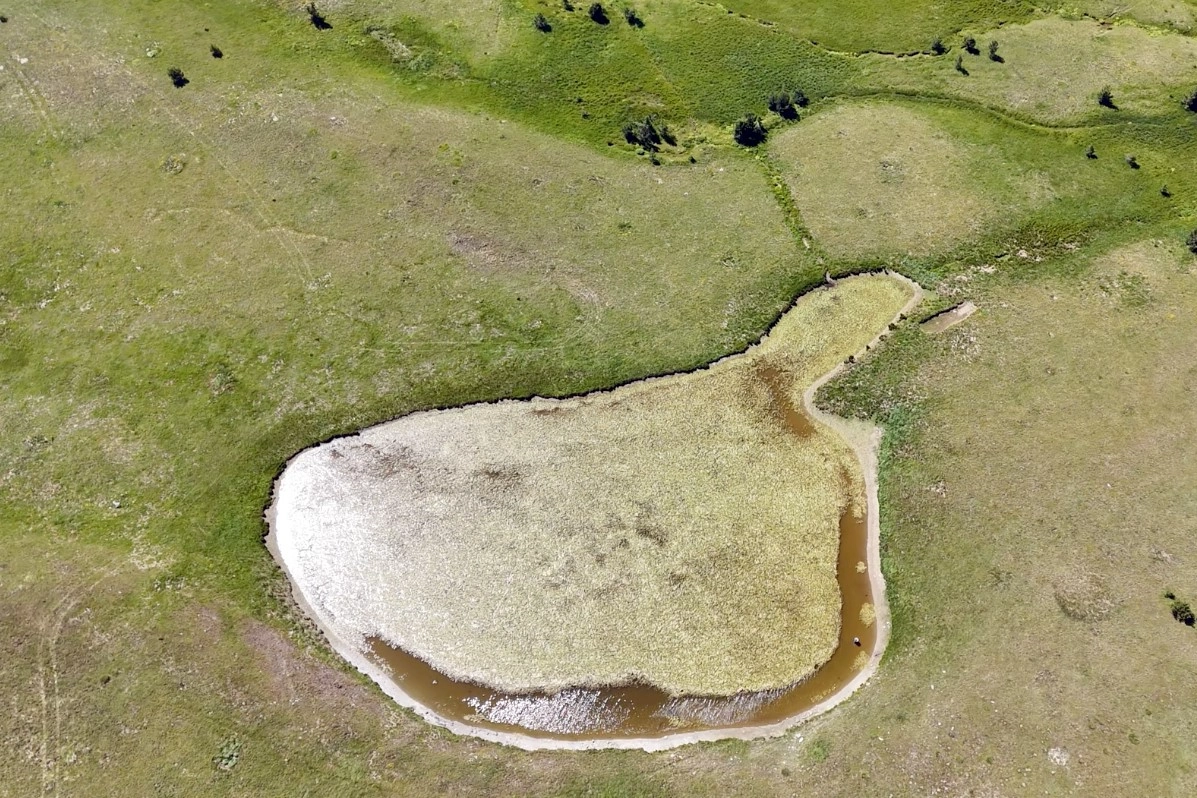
<point x="324" y="229"/>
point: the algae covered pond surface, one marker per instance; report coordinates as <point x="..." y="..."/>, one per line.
<point x="679" y="535"/>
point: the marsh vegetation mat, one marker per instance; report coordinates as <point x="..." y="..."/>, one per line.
<point x="680" y="533"/>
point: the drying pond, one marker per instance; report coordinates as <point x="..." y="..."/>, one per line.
<point x="657" y="560"/>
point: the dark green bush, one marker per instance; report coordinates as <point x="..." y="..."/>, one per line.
<point x="598" y="13"/>
<point x="541" y="24"/>
<point x="1183" y="613"/>
<point x="318" y="20"/>
<point x="1105" y="98"/>
<point x="750" y="131"/>
<point x="783" y="105"/>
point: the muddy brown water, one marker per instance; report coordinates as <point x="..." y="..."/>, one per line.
<point x="638" y="711"/>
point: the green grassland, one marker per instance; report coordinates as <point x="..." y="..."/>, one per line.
<point x="326" y="229"/>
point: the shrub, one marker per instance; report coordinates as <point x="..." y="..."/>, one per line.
<point x="1182" y="612"/>
<point x="1190" y="102"/>
<point x="800" y="99"/>
<point x="177" y="77"/>
<point x="993" y="52"/>
<point x="1105" y="98"/>
<point x="1191" y="242"/>
<point x="318" y="20"/>
<point x="646" y="134"/>
<point x="568" y="6"/>
<point x="633" y="18"/>
<point x="1090" y="153"/>
<point x="960" y="65"/>
<point x="750" y="131"/>
<point x="3" y="19"/>
<point x="541" y="24"/>
<point x="970" y="46"/>
<point x="598" y="13"/>
<point x="783" y="105"/>
<point x="216" y="51"/>
<point x="937" y="46"/>
<point x="1132" y="161"/>
<point x="1165" y="192"/>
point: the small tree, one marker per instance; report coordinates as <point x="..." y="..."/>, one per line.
<point x="598" y="13"/>
<point x="216" y="51"/>
<point x="1165" y="192"/>
<point x="318" y="20"/>
<point x="177" y="77"/>
<point x="632" y="18"/>
<point x="750" y="131"/>
<point x="800" y="98"/>
<point x="1091" y="153"/>
<point x="1190" y="103"/>
<point x="937" y="46"/>
<point x="783" y="105"/>
<point x="1191" y="242"/>
<point x="1132" y="161"/>
<point x="960" y="65"/>
<point x="1105" y="98"/>
<point x="646" y="134"/>
<point x="993" y="52"/>
<point x="541" y="24"/>
<point x="970" y="46"/>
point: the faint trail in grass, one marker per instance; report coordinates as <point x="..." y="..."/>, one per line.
<point x="247" y="189"/>
<point x="37" y="103"/>
<point x="51" y="747"/>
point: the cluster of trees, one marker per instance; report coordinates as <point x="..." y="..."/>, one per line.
<point x="597" y="14"/>
<point x="969" y="45"/>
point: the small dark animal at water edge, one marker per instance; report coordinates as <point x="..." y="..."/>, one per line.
<point x="318" y="20"/>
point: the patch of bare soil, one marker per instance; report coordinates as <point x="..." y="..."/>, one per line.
<point x="297" y="677"/>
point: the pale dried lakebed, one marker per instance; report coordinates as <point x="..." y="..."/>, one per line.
<point x="685" y="557"/>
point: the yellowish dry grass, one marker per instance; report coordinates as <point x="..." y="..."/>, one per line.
<point x="1053" y="69"/>
<point x="675" y="530"/>
<point x="880" y="178"/>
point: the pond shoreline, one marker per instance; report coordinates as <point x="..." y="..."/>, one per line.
<point x="864" y="441"/>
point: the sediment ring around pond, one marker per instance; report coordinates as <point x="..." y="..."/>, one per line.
<point x="644" y="708"/>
